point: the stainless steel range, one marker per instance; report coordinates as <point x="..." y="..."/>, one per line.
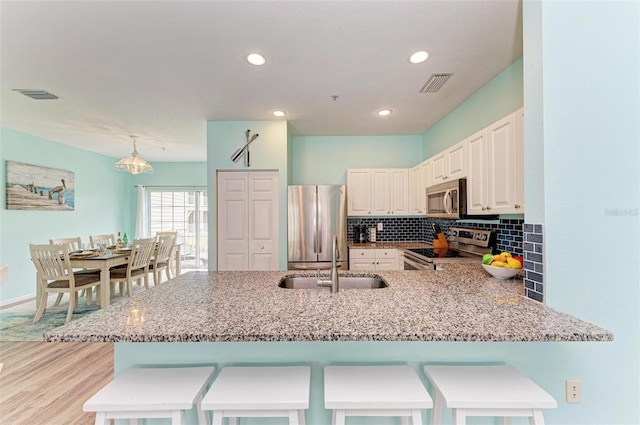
<point x="463" y="243"/>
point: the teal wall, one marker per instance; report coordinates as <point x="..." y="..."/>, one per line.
<point x="590" y="150"/>
<point x="325" y="159"/>
<point x="101" y="205"/>
<point x="268" y="152"/>
<point x="496" y="99"/>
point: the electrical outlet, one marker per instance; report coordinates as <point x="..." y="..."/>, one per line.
<point x="574" y="390"/>
<point x="379" y="227"/>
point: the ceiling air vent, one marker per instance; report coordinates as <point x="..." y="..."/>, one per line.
<point x="435" y="82"/>
<point x="37" y="94"/>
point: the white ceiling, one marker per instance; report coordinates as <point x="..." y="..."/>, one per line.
<point x="162" y="69"/>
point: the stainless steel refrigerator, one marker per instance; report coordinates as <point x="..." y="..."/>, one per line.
<point x="316" y="213"/>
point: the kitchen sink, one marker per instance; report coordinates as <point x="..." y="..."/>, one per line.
<point x="345" y="282"/>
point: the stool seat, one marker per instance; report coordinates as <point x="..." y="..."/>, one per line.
<point x="151" y="393"/>
<point x="486" y="391"/>
<point x="266" y="391"/>
<point x="374" y="391"/>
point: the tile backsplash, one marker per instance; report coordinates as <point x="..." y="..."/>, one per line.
<point x="509" y="231"/>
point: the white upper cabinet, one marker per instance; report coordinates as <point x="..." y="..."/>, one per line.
<point x="420" y="179"/>
<point x="359" y="192"/>
<point x="450" y="164"/>
<point x="378" y="191"/>
<point x="495" y="168"/>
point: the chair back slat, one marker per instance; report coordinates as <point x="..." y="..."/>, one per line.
<point x="164" y="248"/>
<point x="51" y="261"/>
<point x="72" y="244"/>
<point x="141" y="252"/>
<point x="96" y="240"/>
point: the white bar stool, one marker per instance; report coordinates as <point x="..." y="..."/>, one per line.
<point x="265" y="391"/>
<point x="486" y="391"/>
<point x="374" y="391"/>
<point x="151" y="393"/>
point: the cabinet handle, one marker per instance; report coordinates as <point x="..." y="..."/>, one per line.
<point x="488" y="208"/>
<point x="362" y="253"/>
<point x="517" y="206"/>
<point x="484" y="208"/>
<point x="262" y="247"/>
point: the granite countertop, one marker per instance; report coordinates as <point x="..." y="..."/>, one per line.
<point x="459" y="303"/>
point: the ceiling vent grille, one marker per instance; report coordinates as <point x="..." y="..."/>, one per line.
<point x="435" y="82"/>
<point x="37" y="94"/>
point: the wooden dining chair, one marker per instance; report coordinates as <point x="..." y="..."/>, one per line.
<point x="161" y="257"/>
<point x="72" y="244"/>
<point x="137" y="267"/>
<point x="96" y="240"/>
<point x="173" y="233"/>
<point x="56" y="275"/>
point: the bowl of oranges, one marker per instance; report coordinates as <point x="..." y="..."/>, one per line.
<point x="503" y="265"/>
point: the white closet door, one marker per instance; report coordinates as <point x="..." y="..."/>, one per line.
<point x="263" y="220"/>
<point x="233" y="221"/>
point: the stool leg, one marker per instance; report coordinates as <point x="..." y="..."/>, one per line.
<point x="416" y="417"/>
<point x="217" y="417"/>
<point x="436" y="412"/>
<point x="537" y="418"/>
<point x="505" y="420"/>
<point x="301" y="418"/>
<point x="404" y="420"/>
<point x="340" y="417"/>
<point x="101" y="418"/>
<point x="293" y="417"/>
<point x="202" y="416"/>
<point x="333" y="417"/>
<point x="133" y="421"/>
<point x="233" y="421"/>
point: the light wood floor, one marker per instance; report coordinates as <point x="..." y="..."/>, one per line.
<point x="47" y="383"/>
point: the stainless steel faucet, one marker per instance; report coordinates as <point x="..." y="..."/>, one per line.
<point x="333" y="281"/>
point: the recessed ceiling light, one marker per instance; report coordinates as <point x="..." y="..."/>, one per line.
<point x="256" y="59"/>
<point x="384" y="112"/>
<point x="279" y="113"/>
<point x="419" y="57"/>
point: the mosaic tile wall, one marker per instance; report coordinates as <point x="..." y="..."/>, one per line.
<point x="533" y="261"/>
<point x="509" y="231"/>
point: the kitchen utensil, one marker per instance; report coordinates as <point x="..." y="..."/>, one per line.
<point x="439" y="240"/>
<point x="237" y="154"/>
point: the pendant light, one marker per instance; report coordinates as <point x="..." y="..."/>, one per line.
<point x="134" y="164"/>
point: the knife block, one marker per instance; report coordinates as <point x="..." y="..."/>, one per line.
<point x="440" y="241"/>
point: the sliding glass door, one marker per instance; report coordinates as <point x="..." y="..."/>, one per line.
<point x="186" y="212"/>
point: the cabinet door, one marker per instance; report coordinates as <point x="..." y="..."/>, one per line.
<point x="399" y="259"/>
<point x="386" y="264"/>
<point x="439" y="168"/>
<point x="501" y="154"/>
<point x="417" y="207"/>
<point x="519" y="176"/>
<point x="233" y="221"/>
<point x="380" y="184"/>
<point x="457" y="161"/>
<point x="477" y="198"/>
<point x="263" y="221"/>
<point x="359" y="192"/>
<point x="399" y="191"/>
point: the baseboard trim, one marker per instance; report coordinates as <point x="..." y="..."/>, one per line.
<point x="17" y="301"/>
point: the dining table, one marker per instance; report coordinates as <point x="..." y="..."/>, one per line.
<point x="94" y="260"/>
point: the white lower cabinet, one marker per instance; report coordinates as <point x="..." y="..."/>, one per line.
<point x="372" y="259"/>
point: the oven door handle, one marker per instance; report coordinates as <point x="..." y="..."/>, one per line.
<point x="418" y="266"/>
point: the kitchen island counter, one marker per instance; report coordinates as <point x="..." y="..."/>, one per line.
<point x="460" y="303"/>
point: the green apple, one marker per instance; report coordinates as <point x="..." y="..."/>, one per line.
<point x="486" y="259"/>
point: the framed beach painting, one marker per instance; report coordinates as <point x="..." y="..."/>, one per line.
<point x="31" y="187"/>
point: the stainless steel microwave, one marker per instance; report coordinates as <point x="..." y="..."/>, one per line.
<point x="447" y="200"/>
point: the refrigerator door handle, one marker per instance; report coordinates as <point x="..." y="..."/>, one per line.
<point x="319" y="230"/>
<point x="315" y="222"/>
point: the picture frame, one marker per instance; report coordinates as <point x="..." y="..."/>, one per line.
<point x="34" y="187"/>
